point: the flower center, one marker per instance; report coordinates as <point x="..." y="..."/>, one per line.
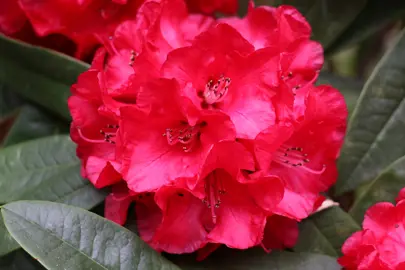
<point x="213" y="191"/>
<point x="185" y="135"/>
<point x="296" y="158"/>
<point x="215" y="91"/>
<point x="109" y="132"/>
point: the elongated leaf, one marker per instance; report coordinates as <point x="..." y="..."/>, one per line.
<point x="9" y="101"/>
<point x="377" y="128"/>
<point x="33" y="123"/>
<point x="257" y="259"/>
<point x="384" y="188"/>
<point x="66" y="237"/>
<point x="38" y="74"/>
<point x="328" y="18"/>
<point x="44" y="169"/>
<point x="369" y="21"/>
<point x="326" y="231"/>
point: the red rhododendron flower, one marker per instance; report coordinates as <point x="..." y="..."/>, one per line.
<point x="211" y="6"/>
<point x="171" y="140"/>
<point x="218" y="78"/>
<point x="303" y="154"/>
<point x="228" y="206"/>
<point x="210" y="127"/>
<point x="381" y="243"/>
<point x="94" y="129"/>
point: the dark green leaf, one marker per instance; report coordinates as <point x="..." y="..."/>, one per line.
<point x="44" y="169"/>
<point x="66" y="237"/>
<point x="369" y="21"/>
<point x="39" y="75"/>
<point x="257" y="259"/>
<point x="326" y="231"/>
<point x="384" y="188"/>
<point x="376" y="129"/>
<point x="9" y="101"/>
<point x="32" y="123"/>
<point x="19" y="260"/>
<point x="328" y="18"/>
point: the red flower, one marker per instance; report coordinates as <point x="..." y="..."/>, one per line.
<point x="303" y="154"/>
<point x="216" y="208"/>
<point x="211" y="6"/>
<point x="171" y="140"/>
<point x="215" y="129"/>
<point x="94" y="127"/>
<point x="226" y="76"/>
<point x="381" y="243"/>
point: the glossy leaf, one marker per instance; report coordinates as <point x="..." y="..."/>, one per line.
<point x="44" y="169"/>
<point x="39" y="75"/>
<point x="384" y="188"/>
<point x="32" y="123"/>
<point x="326" y="231"/>
<point x="376" y="129"/>
<point x="62" y="236"/>
<point x="328" y="18"/>
<point x="257" y="259"/>
<point x="369" y="21"/>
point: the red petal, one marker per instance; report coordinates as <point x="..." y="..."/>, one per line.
<point x="280" y="233"/>
<point x="117" y="204"/>
<point x="239" y="213"/>
<point x="182" y="229"/>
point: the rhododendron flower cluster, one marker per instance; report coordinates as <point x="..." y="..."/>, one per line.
<point x="381" y="243"/>
<point x="214" y="128"/>
<point x="76" y="27"/>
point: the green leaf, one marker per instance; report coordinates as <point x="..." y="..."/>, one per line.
<point x="9" y="101"/>
<point x="383" y="188"/>
<point x="326" y="231"/>
<point x="44" y="169"/>
<point x="257" y="259"/>
<point x="376" y="129"/>
<point x="62" y="236"/>
<point x="19" y="260"/>
<point x="32" y="123"/>
<point x="39" y="75"/>
<point x="369" y="21"/>
<point x="7" y="242"/>
<point x="328" y="18"/>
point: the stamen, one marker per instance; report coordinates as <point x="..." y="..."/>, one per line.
<point x="215" y="92"/>
<point x="213" y="191"/>
<point x="108" y="135"/>
<point x="295" y="157"/>
<point x="185" y="135"/>
<point x="132" y="58"/>
<point x="88" y="139"/>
